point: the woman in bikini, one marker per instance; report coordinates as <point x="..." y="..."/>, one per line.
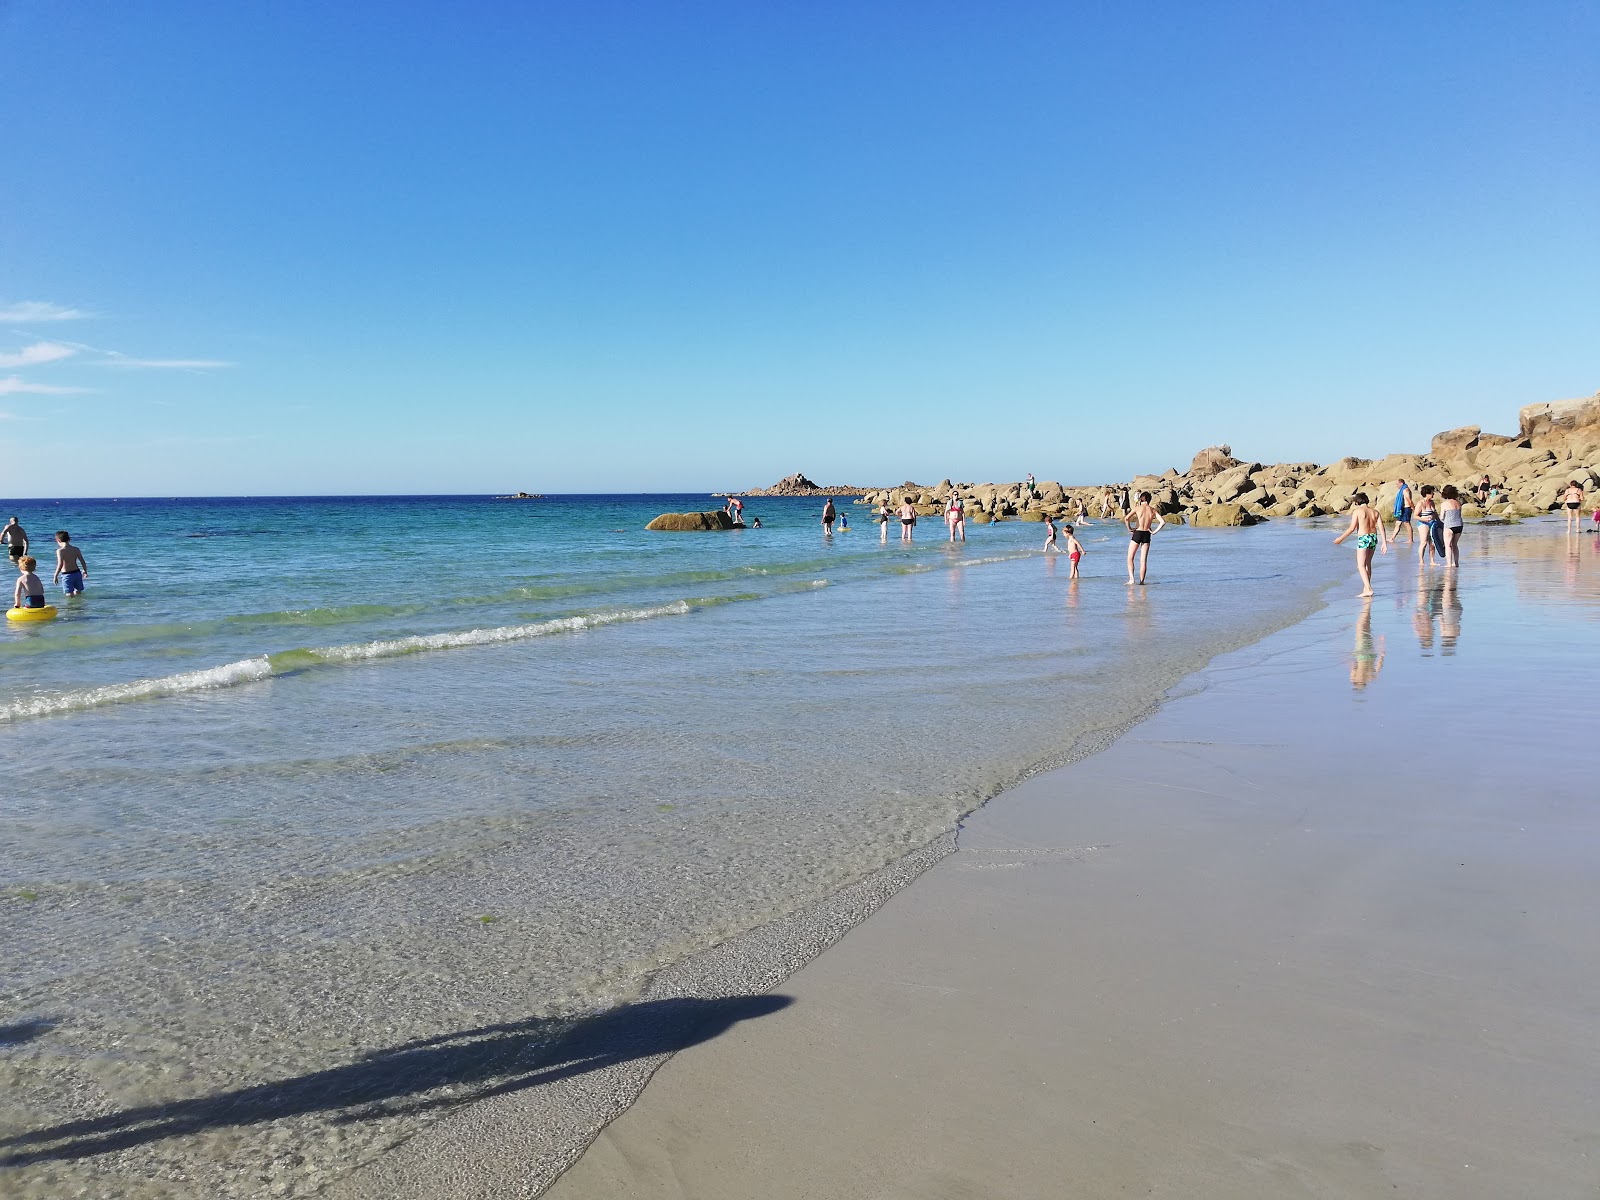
<point x="1450" y="517"/>
<point x="908" y="520"/>
<point x="1573" y="499"/>
<point x="1427" y="518"/>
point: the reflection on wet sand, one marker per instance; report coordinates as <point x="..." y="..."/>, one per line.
<point x="1367" y="658"/>
<point x="1558" y="569"/>
<point x="1437" y="601"/>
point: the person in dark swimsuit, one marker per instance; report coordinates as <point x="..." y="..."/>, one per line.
<point x="1573" y="499"/>
<point x="1143" y="521"/>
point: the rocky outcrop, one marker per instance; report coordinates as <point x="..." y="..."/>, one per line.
<point x="694" y="522"/>
<point x="1558" y="443"/>
<point x="798" y="485"/>
<point x="1212" y="461"/>
<point x="1560" y="417"/>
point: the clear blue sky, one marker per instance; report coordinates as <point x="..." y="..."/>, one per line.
<point x="302" y="247"/>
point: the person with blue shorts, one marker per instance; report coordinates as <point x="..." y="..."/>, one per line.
<point x="71" y="570"/>
<point x="1402" y="512"/>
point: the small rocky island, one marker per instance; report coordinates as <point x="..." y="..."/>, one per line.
<point x="798" y="485"/>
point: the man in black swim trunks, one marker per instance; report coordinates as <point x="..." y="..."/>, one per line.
<point x="1143" y="521"/>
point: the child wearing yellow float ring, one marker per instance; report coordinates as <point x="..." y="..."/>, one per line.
<point x="29" y="592"/>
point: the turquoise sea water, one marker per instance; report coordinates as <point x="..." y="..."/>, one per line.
<point x="299" y="779"/>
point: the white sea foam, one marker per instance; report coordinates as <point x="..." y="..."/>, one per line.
<point x="392" y="647"/>
<point x="252" y="670"/>
<point x="228" y="675"/>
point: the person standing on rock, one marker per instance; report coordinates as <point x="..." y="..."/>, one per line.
<point x="1572" y="498"/>
<point x="1032" y="491"/>
<point x="1142" y="522"/>
<point x="1367" y="525"/>
<point x="1402" y="512"/>
<point x="908" y="520"/>
<point x="735" y="509"/>
<point x="829" y="516"/>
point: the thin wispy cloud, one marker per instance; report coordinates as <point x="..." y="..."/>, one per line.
<point x="31" y="312"/>
<point x="163" y="364"/>
<point x="39" y="352"/>
<point x="16" y="385"/>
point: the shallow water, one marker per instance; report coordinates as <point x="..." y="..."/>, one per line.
<point x="299" y="780"/>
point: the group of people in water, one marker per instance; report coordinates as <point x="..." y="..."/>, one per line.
<point x="71" y="569"/>
<point x="1143" y="521"/>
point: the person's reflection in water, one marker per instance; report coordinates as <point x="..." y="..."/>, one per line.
<point x="1072" y="592"/>
<point x="1138" y="611"/>
<point x="1422" y="616"/>
<point x="1449" y="616"/>
<point x="1367" y="658"/>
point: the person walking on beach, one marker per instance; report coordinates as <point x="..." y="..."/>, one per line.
<point x="1429" y="531"/>
<point x="1142" y="523"/>
<point x="1050" y="546"/>
<point x="1081" y="511"/>
<point x="955" y="516"/>
<point x="71" y="570"/>
<point x="1572" y="498"/>
<point x="15" y="536"/>
<point x="1074" y="550"/>
<point x="1402" y="512"/>
<point x="1451" y="524"/>
<point x="829" y="516"/>
<point x="1367" y="525"/>
<point x="908" y="520"/>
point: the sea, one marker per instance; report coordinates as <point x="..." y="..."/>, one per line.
<point x="300" y="779"/>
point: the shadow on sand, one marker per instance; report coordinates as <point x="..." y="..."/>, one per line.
<point x="475" y="1064"/>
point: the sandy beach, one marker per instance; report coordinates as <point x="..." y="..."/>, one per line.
<point x="1320" y="927"/>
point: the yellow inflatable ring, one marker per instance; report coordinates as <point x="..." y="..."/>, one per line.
<point x="31" y="614"/>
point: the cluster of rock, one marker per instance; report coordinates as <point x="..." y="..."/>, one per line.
<point x="1556" y="444"/>
<point x="797" y="485"/>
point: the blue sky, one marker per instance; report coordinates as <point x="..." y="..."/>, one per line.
<point x="289" y="247"/>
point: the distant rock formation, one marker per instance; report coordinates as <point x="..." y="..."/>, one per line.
<point x="798" y="485"/>
<point x="1557" y="443"/>
<point x="695" y="522"/>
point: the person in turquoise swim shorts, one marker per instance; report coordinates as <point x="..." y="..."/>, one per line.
<point x="1367" y="525"/>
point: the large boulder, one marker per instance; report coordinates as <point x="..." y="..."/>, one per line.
<point x="1453" y="441"/>
<point x="1217" y="515"/>
<point x="1212" y="461"/>
<point x="693" y="522"/>
<point x="1559" y="416"/>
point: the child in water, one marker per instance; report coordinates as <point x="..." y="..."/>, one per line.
<point x="1367" y="525"/>
<point x="1074" y="550"/>
<point x="844" y="522"/>
<point x="1050" y="534"/>
<point x="29" y="592"/>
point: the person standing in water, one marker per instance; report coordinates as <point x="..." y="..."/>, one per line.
<point x="16" y="537"/>
<point x="71" y="570"/>
<point x="955" y="516"/>
<point x="829" y="516"/>
<point x="885" y="515"/>
<point x="1451" y="523"/>
<point x="1074" y="550"/>
<point x="1428" y="528"/>
<point x="1143" y="522"/>
<point x="908" y="520"/>
<point x="1571" y="499"/>
<point x="1367" y="525"/>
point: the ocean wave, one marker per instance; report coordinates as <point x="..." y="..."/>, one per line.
<point x="265" y="666"/>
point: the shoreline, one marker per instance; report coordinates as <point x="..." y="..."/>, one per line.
<point x="1223" y="958"/>
<point x="523" y="1143"/>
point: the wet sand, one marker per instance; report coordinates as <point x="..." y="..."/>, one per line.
<point x="1323" y="927"/>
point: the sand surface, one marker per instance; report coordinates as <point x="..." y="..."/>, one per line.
<point x="1289" y="937"/>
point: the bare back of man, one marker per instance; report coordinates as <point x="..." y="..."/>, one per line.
<point x="1143" y="523"/>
